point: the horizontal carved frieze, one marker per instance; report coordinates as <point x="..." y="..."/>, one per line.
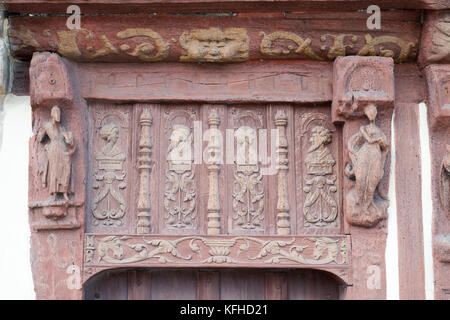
<point x="195" y="251"/>
<point x="220" y="39"/>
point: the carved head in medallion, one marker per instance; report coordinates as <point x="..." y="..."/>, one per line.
<point x="110" y="132"/>
<point x="320" y="136"/>
<point x="179" y="149"/>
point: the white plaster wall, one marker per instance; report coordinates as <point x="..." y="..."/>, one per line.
<point x="15" y="267"/>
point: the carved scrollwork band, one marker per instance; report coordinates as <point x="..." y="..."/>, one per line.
<point x="211" y="44"/>
<point x="192" y="250"/>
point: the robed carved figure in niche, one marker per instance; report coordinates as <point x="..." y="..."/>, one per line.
<point x="56" y="156"/>
<point x="445" y="182"/>
<point x="367" y="152"/>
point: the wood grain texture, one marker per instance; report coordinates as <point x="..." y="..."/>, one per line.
<point x="116" y="6"/>
<point x="143" y="38"/>
<point x="409" y="201"/>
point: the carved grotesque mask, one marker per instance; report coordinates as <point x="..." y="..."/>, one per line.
<point x="215" y="45"/>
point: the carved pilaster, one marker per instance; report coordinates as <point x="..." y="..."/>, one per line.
<point x="438" y="105"/>
<point x="145" y="168"/>
<point x="363" y="101"/>
<point x="57" y="178"/>
<point x="213" y="161"/>
<point x="362" y="88"/>
<point x="283" y="223"/>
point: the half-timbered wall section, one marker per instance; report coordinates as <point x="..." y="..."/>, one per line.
<point x="204" y="150"/>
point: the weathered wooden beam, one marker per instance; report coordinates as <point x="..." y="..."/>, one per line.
<point x="117" y="6"/>
<point x="151" y="38"/>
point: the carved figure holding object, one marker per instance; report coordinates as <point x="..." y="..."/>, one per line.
<point x="367" y="151"/>
<point x="56" y="155"/>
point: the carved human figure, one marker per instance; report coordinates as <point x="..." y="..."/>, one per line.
<point x="445" y="182"/>
<point x="367" y="151"/>
<point x="179" y="150"/>
<point x="56" y="159"/>
<point x="318" y="153"/>
<point x="320" y="207"/>
<point x="110" y="133"/>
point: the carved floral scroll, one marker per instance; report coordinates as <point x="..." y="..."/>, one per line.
<point x="245" y="250"/>
<point x="180" y="187"/>
<point x="248" y="188"/>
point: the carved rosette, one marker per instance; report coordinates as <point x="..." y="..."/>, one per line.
<point x="214" y="152"/>
<point x="144" y="168"/>
<point x="283" y="223"/>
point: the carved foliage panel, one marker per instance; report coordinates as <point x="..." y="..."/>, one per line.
<point x="317" y="149"/>
<point x="178" y="209"/>
<point x="110" y="176"/>
<point x="247" y="184"/>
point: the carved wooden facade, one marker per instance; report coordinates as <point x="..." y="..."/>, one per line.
<point x="233" y="161"/>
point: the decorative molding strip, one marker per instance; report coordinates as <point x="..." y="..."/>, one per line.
<point x="295" y="251"/>
<point x="283" y="82"/>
